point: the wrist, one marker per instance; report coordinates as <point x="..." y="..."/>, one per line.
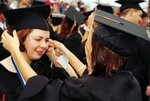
<point x="15" y="51"/>
<point x="81" y="69"/>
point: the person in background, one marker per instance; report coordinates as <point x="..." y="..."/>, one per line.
<point x="25" y="3"/>
<point x="20" y="4"/>
<point x="69" y="34"/>
<point x="2" y="18"/>
<point x="139" y="59"/>
<point x="88" y="21"/>
<point x="145" y="18"/>
<point x="55" y="21"/>
<point x="3" y="52"/>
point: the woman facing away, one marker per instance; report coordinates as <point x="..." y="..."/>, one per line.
<point x="69" y="34"/>
<point x="33" y="33"/>
<point x="107" y="82"/>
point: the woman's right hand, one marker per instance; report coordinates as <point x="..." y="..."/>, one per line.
<point x="10" y="43"/>
<point x="60" y="48"/>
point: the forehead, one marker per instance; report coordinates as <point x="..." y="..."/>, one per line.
<point x="40" y="33"/>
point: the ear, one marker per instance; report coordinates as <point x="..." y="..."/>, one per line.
<point x="131" y="12"/>
<point x="118" y="14"/>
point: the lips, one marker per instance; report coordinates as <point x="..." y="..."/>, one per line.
<point x="40" y="53"/>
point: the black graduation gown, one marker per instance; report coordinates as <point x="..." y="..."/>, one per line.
<point x="139" y="63"/>
<point x="121" y="86"/>
<point x="3" y="52"/>
<point x="10" y="84"/>
<point x="74" y="44"/>
<point x="139" y="57"/>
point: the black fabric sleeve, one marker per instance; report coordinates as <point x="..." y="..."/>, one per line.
<point x="74" y="90"/>
<point x="40" y="88"/>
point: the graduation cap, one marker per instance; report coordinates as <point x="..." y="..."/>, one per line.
<point x="105" y="8"/>
<point x="115" y="30"/>
<point x="126" y="4"/>
<point x="57" y="18"/>
<point x="72" y="14"/>
<point x="28" y="18"/>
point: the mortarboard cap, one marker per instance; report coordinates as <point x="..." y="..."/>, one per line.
<point x="72" y="14"/>
<point x="126" y="4"/>
<point x="28" y="18"/>
<point x="57" y="18"/>
<point x="105" y="8"/>
<point x="112" y="31"/>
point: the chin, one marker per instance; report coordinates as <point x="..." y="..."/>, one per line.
<point x="36" y="58"/>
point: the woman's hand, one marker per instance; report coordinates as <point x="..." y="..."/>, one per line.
<point x="53" y="49"/>
<point x="60" y="48"/>
<point x="10" y="43"/>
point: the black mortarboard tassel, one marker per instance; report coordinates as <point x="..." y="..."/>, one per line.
<point x="73" y="15"/>
<point x="126" y="4"/>
<point x="28" y="18"/>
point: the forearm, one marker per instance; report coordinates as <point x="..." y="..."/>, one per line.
<point x="53" y="58"/>
<point x="78" y="66"/>
<point x="24" y="68"/>
<point x="71" y="71"/>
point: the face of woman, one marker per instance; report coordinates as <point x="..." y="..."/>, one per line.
<point x="36" y="43"/>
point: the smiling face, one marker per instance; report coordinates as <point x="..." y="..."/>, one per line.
<point x="36" y="43"/>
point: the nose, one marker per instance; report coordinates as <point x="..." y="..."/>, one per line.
<point x="44" y="44"/>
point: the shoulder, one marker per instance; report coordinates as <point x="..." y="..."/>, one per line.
<point x="125" y="76"/>
<point x="127" y="87"/>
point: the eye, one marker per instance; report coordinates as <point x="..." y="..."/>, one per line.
<point x="38" y="39"/>
<point x="47" y="40"/>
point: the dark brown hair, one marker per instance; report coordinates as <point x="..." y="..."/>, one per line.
<point x="22" y="34"/>
<point x="105" y="60"/>
<point x="66" y="29"/>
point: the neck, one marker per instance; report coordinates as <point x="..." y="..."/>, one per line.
<point x="125" y="18"/>
<point x="26" y="57"/>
